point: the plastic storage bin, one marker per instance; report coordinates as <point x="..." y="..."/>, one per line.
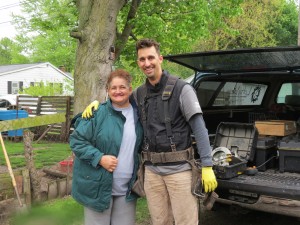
<point x="12" y="115"/>
<point x="240" y="139"/>
<point x="235" y="167"/>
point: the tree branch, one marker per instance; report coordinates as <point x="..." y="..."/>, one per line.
<point x="76" y="34"/>
<point x="122" y="39"/>
<point x="133" y="36"/>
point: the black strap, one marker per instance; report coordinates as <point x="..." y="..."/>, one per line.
<point x="141" y="94"/>
<point x="169" y="87"/>
<point x="165" y="97"/>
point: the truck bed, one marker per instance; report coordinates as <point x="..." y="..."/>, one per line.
<point x="271" y="183"/>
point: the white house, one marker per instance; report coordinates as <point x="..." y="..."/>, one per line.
<point x="18" y="76"/>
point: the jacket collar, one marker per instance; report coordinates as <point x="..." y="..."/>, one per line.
<point x="158" y="87"/>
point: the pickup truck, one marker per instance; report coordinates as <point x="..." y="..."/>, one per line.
<point x="245" y="88"/>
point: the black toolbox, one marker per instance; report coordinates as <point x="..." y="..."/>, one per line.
<point x="289" y="154"/>
<point x="266" y="153"/>
<point x="240" y="139"/>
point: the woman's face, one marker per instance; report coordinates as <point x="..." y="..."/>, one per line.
<point x="119" y="92"/>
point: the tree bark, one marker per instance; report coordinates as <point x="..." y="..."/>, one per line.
<point x="33" y="174"/>
<point x="97" y="29"/>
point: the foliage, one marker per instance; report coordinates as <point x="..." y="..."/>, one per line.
<point x="10" y="52"/>
<point x="44" y="31"/>
<point x="49" y="89"/>
<point x="277" y="25"/>
<point x="285" y="26"/>
<point x="43" y="89"/>
<point x="177" y="25"/>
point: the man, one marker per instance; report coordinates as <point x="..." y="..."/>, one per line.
<point x="169" y="111"/>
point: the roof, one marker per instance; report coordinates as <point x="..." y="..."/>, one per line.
<point x="6" y="69"/>
<point x="248" y="60"/>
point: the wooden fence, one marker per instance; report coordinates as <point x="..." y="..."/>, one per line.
<point x="45" y="105"/>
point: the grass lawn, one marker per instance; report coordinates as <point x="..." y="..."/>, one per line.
<point x="63" y="211"/>
<point x="45" y="153"/>
<point x="67" y="212"/>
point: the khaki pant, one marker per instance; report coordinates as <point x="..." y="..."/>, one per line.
<point x="170" y="197"/>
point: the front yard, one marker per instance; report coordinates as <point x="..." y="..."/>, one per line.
<point x="63" y="211"/>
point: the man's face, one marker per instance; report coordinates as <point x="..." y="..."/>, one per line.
<point x="149" y="62"/>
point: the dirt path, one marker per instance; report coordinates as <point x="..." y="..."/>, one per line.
<point x="3" y="169"/>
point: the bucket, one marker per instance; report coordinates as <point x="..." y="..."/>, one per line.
<point x="66" y="166"/>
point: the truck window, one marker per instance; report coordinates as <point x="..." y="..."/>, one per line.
<point x="240" y="94"/>
<point x="289" y="94"/>
<point x="206" y="90"/>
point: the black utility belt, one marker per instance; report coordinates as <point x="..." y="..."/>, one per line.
<point x="168" y="157"/>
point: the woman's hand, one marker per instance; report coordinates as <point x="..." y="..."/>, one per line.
<point x="109" y="162"/>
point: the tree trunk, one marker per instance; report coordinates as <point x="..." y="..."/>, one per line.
<point x="33" y="174"/>
<point x="96" y="34"/>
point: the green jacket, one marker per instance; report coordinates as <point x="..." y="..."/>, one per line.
<point x="91" y="139"/>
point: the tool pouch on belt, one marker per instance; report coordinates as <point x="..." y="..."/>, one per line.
<point x="197" y="190"/>
<point x="138" y="186"/>
<point x="196" y="178"/>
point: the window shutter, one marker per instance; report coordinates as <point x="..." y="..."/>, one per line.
<point x="61" y="88"/>
<point x="8" y="87"/>
<point x="21" y="85"/>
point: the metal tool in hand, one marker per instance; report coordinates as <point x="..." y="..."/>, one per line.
<point x="198" y="190"/>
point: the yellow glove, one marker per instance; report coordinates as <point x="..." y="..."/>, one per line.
<point x="88" y="112"/>
<point x="209" y="181"/>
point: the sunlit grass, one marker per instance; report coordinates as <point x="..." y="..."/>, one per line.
<point x="65" y="211"/>
<point x="57" y="212"/>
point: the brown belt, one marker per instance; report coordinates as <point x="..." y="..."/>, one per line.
<point x="168" y="157"/>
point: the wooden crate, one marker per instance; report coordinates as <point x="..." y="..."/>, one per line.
<point x="276" y="127"/>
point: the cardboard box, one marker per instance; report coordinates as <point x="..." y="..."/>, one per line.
<point x="276" y="127"/>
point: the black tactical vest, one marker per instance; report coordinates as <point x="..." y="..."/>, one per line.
<point x="153" y="116"/>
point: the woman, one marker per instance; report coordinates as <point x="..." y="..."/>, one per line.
<point x="106" y="149"/>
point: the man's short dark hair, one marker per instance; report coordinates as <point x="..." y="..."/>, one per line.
<point x="147" y="43"/>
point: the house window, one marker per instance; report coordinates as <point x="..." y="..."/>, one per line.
<point x="13" y="87"/>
